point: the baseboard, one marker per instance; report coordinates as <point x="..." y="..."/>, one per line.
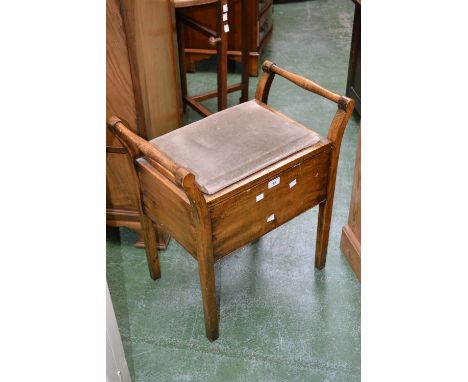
<point x="131" y="220"/>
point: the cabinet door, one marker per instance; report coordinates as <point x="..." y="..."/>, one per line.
<point x="120" y="100"/>
<point x="150" y="30"/>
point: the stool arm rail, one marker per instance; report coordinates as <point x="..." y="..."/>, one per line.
<point x="303" y="82"/>
<point x="345" y="104"/>
<point x="137" y="147"/>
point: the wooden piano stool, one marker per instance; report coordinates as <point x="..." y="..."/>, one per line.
<point x="223" y="182"/>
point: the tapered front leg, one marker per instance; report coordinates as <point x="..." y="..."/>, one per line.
<point x="206" y="272"/>
<point x="204" y="252"/>
<point x="151" y="246"/>
<point x="323" y="232"/>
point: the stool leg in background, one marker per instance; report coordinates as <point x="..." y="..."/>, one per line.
<point x="245" y="50"/>
<point x="182" y="69"/>
<point x="151" y="246"/>
<point x="221" y="48"/>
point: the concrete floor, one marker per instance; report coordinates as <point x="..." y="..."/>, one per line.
<point x="281" y="319"/>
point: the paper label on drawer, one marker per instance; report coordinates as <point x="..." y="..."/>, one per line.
<point x="293" y="183"/>
<point x="226" y="28"/>
<point x="274" y="182"/>
<point x="259" y="197"/>
<point x="225" y="7"/>
<point x="224" y="16"/>
<point x="271" y="218"/>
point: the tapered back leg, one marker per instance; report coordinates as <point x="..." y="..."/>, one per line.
<point x="151" y="246"/>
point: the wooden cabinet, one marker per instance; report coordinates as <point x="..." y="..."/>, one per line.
<point x="351" y="235"/>
<point x="261" y="27"/>
<point x="142" y="88"/>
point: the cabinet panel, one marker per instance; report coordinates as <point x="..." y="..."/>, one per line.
<point x="119" y="88"/>
<point x="351" y="235"/>
<point x="119" y="191"/>
<point x="150" y="27"/>
<point x="142" y="88"/>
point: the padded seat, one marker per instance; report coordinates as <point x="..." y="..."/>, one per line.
<point x="230" y="145"/>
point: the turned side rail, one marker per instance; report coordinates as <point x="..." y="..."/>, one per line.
<point x="137" y="146"/>
<point x="345" y="104"/>
<point x="270" y="69"/>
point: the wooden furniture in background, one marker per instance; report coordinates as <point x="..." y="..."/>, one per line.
<point x="350" y="243"/>
<point x="142" y="86"/>
<point x="351" y="236"/>
<point x="353" y="86"/>
<point x="210" y="226"/>
<point x="218" y="38"/>
<point x="261" y="27"/>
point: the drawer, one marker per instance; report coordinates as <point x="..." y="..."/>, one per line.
<point x="244" y="217"/>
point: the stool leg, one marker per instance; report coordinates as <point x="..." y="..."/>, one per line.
<point x="204" y="254"/>
<point x="151" y="246"/>
<point x="182" y="66"/>
<point x="323" y="231"/>
<point x="221" y="49"/>
<point x="208" y="288"/>
<point x="245" y="50"/>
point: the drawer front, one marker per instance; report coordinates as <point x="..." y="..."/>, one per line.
<point x="244" y="217"/>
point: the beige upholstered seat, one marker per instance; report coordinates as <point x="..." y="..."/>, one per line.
<point x="230" y="145"/>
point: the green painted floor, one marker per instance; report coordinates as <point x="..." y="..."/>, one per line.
<point x="281" y="320"/>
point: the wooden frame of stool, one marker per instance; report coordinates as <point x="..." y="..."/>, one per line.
<point x="210" y="227"/>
